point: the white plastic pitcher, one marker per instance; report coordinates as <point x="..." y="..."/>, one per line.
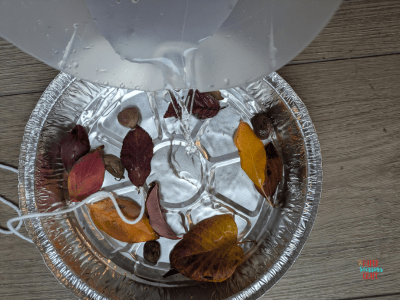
<point x="152" y="44"/>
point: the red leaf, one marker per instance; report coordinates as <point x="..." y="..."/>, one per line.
<point x="86" y="176"/>
<point x="157" y="220"/>
<point x="273" y="171"/>
<point x="171" y="112"/>
<point x="204" y="106"/>
<point x="73" y="146"/>
<point x="136" y="155"/>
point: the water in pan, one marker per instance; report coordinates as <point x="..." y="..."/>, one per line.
<point x="193" y="186"/>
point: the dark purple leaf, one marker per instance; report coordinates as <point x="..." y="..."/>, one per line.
<point x="157" y="220"/>
<point x="136" y="155"/>
<point x="204" y="106"/>
<point x="74" y="146"/>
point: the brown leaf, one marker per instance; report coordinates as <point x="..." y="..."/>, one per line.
<point x="157" y="220"/>
<point x="73" y="146"/>
<point x="252" y="154"/>
<point x="216" y="94"/>
<point x="204" y="106"/>
<point x="114" y="166"/>
<point x="128" y="117"/>
<point x="86" y="176"/>
<point x="209" y="251"/>
<point x="136" y="155"/>
<point x="106" y="218"/>
<point x="273" y="171"/>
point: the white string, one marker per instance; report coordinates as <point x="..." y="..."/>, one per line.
<point x="12" y="169"/>
<point x="9" y="203"/>
<point x="101" y="195"/>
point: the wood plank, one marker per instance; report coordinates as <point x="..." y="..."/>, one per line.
<point x="22" y="73"/>
<point x="358" y="28"/>
<point x="23" y="274"/>
<point x="354" y="106"/>
<point x="351" y="103"/>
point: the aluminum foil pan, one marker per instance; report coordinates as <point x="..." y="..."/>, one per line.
<point x="208" y="182"/>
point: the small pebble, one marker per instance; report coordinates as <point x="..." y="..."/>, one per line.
<point x="151" y="251"/>
<point x="128" y="117"/>
<point x="261" y="125"/>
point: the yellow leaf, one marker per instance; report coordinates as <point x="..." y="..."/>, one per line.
<point x="253" y="158"/>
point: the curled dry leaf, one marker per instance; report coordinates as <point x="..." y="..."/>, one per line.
<point x="252" y="154"/>
<point x="106" y="218"/>
<point x="114" y="166"/>
<point x="157" y="220"/>
<point x="216" y="94"/>
<point x="128" y="117"/>
<point x="204" y="106"/>
<point x="73" y="146"/>
<point x="86" y="176"/>
<point x="262" y="125"/>
<point x="152" y="251"/>
<point x="136" y="155"/>
<point x="173" y="108"/>
<point x="273" y="171"/>
<point x="209" y="251"/>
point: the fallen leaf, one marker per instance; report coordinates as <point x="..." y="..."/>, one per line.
<point x="204" y="106"/>
<point x="114" y="166"/>
<point x="73" y="146"/>
<point x="262" y="125"/>
<point x="273" y="171"/>
<point x="136" y="155"/>
<point x="128" y="117"/>
<point x="106" y="218"/>
<point x="172" y="108"/>
<point x="86" y="176"/>
<point x="252" y="153"/>
<point x="216" y="94"/>
<point x="209" y="251"/>
<point x="157" y="220"/>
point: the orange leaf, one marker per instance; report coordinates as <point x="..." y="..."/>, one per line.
<point x="252" y="154"/>
<point x="106" y="218"/>
<point x="209" y="251"/>
<point x="86" y="176"/>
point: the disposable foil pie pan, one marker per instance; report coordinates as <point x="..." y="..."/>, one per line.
<point x="93" y="265"/>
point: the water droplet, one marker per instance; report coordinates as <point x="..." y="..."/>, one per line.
<point x="106" y="82"/>
<point x="161" y="14"/>
<point x="118" y="1"/>
<point x="122" y="85"/>
<point x="76" y="25"/>
<point x="39" y="22"/>
<point x="226" y="81"/>
<point x="66" y="29"/>
<point x="74" y="51"/>
<point x="55" y="51"/>
<point x="47" y="35"/>
<point x="135" y="1"/>
<point x="76" y="65"/>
